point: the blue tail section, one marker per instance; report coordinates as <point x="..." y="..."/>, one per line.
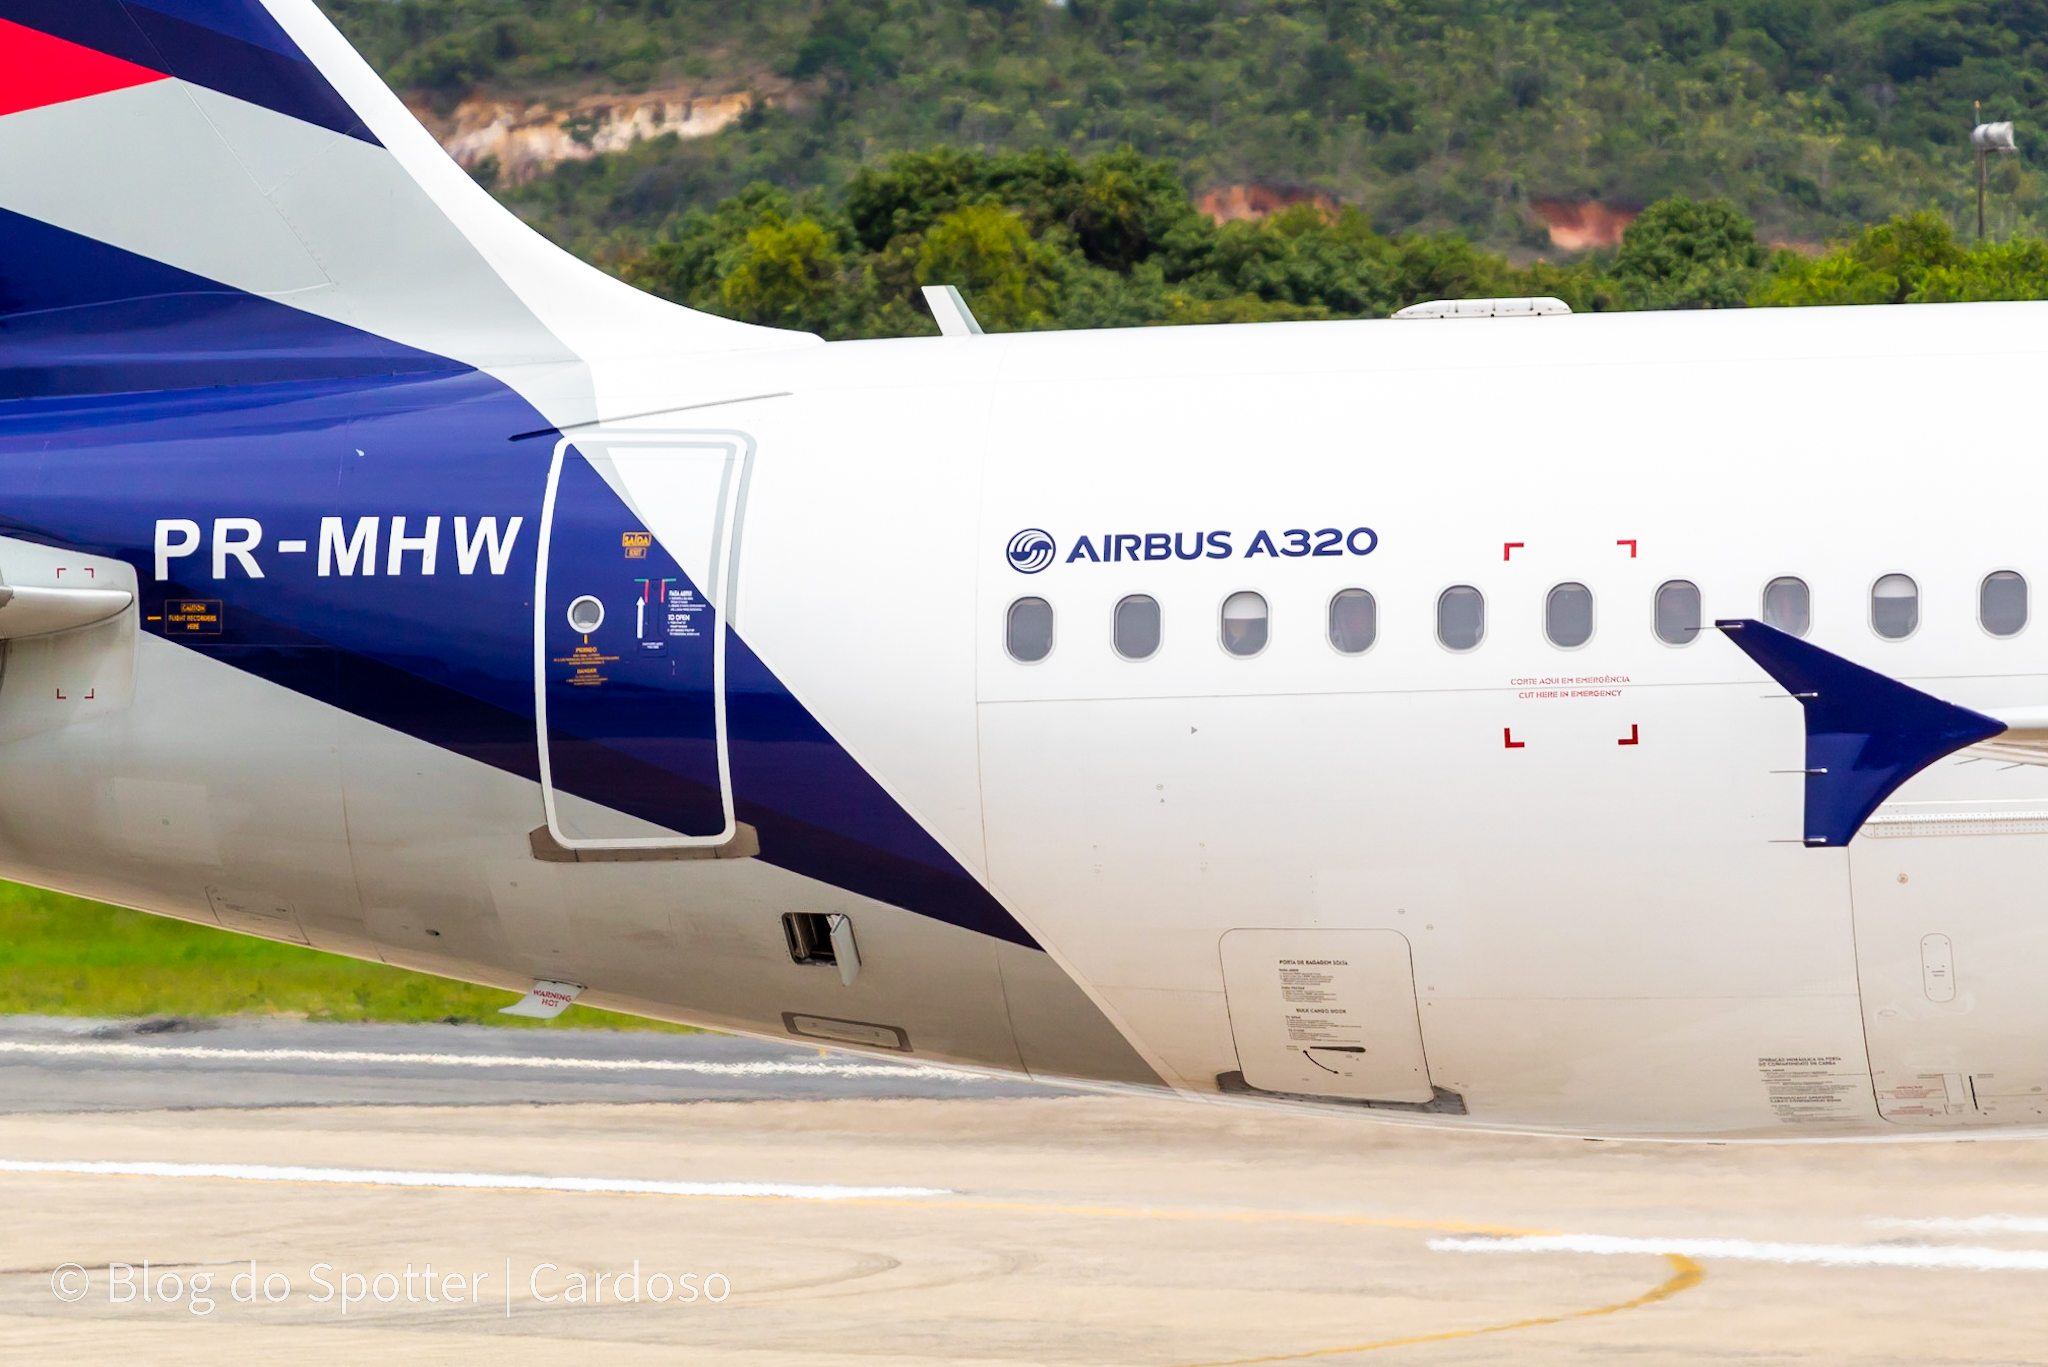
<point x="81" y="317"/>
<point x="1865" y="734"/>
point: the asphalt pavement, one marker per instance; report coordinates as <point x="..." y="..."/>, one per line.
<point x="63" y="1064"/>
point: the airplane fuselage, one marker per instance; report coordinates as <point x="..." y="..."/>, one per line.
<point x="1400" y="795"/>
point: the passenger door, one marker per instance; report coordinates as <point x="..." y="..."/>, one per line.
<point x="638" y="548"/>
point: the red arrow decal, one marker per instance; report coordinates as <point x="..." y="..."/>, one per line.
<point x="36" y="70"/>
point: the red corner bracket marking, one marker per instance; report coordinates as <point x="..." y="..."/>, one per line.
<point x="1631" y="548"/>
<point x="1634" y="736"/>
<point x="1507" y="735"/>
<point x="1508" y="548"/>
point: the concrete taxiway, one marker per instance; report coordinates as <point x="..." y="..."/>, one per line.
<point x="954" y="1226"/>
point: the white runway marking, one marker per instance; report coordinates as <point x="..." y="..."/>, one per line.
<point x="469" y="1181"/>
<point x="1975" y="1224"/>
<point x="1748" y="1250"/>
<point x="760" y="1068"/>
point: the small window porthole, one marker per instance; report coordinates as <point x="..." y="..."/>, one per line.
<point x="2002" y="603"/>
<point x="1677" y="616"/>
<point x="1788" y="606"/>
<point x="1568" y="615"/>
<point x="586" y="615"/>
<point x="1354" y="621"/>
<point x="1894" y="607"/>
<point x="1460" y="617"/>
<point x="1244" y="624"/>
<point x="1028" y="633"/>
<point x="1136" y="628"/>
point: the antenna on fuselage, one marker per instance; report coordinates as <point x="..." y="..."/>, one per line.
<point x="954" y="317"/>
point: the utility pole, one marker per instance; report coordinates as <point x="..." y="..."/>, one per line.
<point x="1985" y="139"/>
<point x="1976" y="122"/>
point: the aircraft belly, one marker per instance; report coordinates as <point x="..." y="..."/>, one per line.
<point x="223" y="798"/>
<point x="211" y="791"/>
<point x="1600" y="938"/>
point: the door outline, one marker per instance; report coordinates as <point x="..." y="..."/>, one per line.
<point x="725" y="547"/>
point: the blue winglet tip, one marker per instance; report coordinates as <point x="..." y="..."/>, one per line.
<point x="1866" y="733"/>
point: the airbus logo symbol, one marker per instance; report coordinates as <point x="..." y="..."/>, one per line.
<point x="1030" y="550"/>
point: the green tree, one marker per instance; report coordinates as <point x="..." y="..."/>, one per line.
<point x="1887" y="264"/>
<point x="1682" y="253"/>
<point x="987" y="251"/>
<point x="2006" y="270"/>
<point x="787" y="276"/>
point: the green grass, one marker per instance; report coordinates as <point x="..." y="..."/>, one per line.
<point x="65" y="956"/>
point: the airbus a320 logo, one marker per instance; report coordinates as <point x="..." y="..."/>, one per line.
<point x="1030" y="550"/>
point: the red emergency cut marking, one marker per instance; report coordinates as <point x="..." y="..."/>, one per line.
<point x="1631" y="548"/>
<point x="1508" y="549"/>
<point x="1634" y="737"/>
<point x="1507" y="735"/>
<point x="36" y="69"/>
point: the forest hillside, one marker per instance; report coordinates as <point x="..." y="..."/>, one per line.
<point x="1815" y="118"/>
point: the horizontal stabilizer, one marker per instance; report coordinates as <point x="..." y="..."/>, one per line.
<point x="1865" y="734"/>
<point x="42" y="612"/>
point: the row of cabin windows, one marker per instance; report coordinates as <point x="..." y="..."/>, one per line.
<point x="1353" y="622"/>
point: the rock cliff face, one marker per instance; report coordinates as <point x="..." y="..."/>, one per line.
<point x="1231" y="203"/>
<point x="525" y="137"/>
<point x="1576" y="224"/>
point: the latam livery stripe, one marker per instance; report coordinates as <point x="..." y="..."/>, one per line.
<point x="37" y="69"/>
<point x="232" y="46"/>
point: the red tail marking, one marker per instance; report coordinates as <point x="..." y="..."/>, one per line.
<point x="1633" y="737"/>
<point x="1507" y="734"/>
<point x="36" y="69"/>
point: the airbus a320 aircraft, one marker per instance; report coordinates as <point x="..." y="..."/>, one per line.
<point x="1623" y="725"/>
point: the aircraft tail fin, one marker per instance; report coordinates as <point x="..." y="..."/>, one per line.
<point x="204" y="192"/>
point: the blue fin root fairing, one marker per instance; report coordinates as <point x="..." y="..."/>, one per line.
<point x="1865" y="734"/>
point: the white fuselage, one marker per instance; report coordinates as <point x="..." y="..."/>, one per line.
<point x="1545" y="888"/>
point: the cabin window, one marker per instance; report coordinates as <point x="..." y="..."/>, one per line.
<point x="1894" y="607"/>
<point x="1028" y="633"/>
<point x="1137" y="627"/>
<point x="1568" y="615"/>
<point x="1677" y="615"/>
<point x="1244" y="624"/>
<point x="2002" y="603"/>
<point x="1354" y="621"/>
<point x="1460" y="617"/>
<point x="1788" y="606"/>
